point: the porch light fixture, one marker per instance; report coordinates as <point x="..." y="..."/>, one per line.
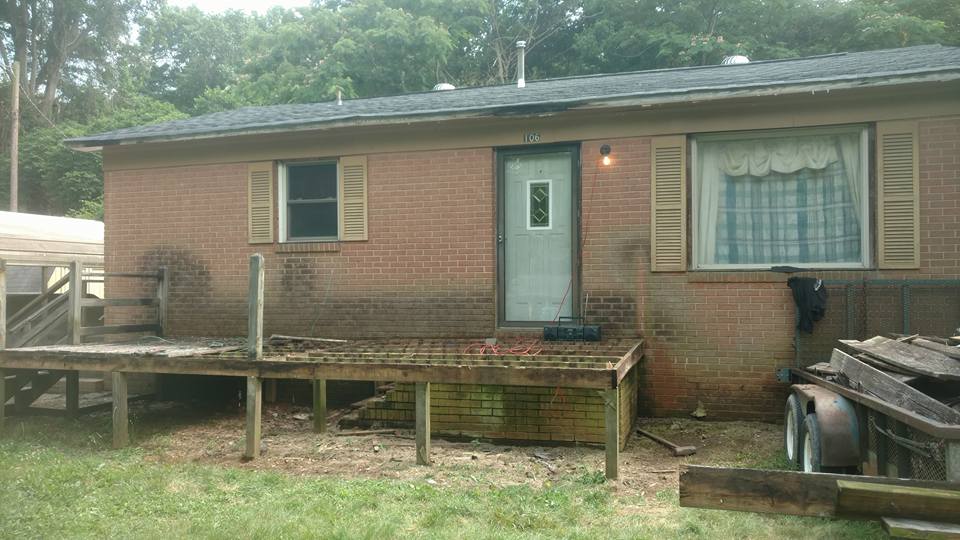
<point x="605" y="152"/>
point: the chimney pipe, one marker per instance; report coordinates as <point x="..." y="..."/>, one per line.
<point x="521" y="49"/>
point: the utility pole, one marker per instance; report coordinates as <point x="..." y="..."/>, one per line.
<point x="15" y="137"/>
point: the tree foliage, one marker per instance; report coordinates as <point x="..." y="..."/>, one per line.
<point x="95" y="65"/>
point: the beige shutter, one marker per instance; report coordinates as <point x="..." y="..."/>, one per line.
<point x="260" y="202"/>
<point x="353" y="198"/>
<point x="898" y="194"/>
<point x="668" y="219"/>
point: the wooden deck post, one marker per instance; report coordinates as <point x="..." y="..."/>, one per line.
<point x="611" y="407"/>
<point x="423" y="422"/>
<point x="255" y="305"/>
<point x="254" y="406"/>
<point x="163" y="290"/>
<point x="320" y="405"/>
<point x="121" y="419"/>
<point x="74" y="311"/>
<point x="72" y="383"/>
<point x="3" y="307"/>
<point x="3" y="399"/>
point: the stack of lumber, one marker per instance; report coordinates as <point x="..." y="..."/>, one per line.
<point x="907" y="508"/>
<point x="920" y="374"/>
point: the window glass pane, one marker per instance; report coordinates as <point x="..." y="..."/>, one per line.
<point x="789" y="200"/>
<point x="313" y="220"/>
<point x="539" y="205"/>
<point x="312" y="181"/>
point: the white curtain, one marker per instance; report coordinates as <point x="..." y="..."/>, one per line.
<point x="784" y="160"/>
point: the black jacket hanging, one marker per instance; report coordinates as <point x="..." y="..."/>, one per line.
<point x="810" y="295"/>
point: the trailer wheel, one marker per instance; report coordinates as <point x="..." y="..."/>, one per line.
<point x="793" y="417"/>
<point x="810" y="452"/>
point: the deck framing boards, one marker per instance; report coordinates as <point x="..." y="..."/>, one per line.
<point x="566" y="371"/>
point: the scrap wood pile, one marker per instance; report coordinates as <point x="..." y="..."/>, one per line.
<point x="919" y="374"/>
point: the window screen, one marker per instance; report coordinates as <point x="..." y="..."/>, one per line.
<point x="312" y="201"/>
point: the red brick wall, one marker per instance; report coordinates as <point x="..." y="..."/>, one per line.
<point x="427" y="270"/>
<point x="429" y="266"/>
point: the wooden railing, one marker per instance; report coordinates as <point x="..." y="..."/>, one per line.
<point x="77" y="301"/>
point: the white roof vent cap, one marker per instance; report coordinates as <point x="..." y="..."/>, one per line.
<point x="444" y="86"/>
<point x="735" y="59"/>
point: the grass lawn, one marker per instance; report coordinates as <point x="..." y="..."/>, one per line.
<point x="60" y="480"/>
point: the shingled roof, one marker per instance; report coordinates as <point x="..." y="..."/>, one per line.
<point x="827" y="72"/>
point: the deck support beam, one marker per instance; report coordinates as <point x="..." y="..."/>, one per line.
<point x="3" y="399"/>
<point x="611" y="419"/>
<point x="423" y="422"/>
<point x="121" y="419"/>
<point x="255" y="308"/>
<point x="72" y="384"/>
<point x="254" y="409"/>
<point x="320" y="405"/>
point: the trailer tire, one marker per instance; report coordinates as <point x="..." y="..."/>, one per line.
<point x="792" y="430"/>
<point x="810" y="450"/>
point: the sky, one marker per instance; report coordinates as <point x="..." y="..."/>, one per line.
<point x="216" y="6"/>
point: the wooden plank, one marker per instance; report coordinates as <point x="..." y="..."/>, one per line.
<point x="915" y="359"/>
<point x="3" y="308"/>
<point x="910" y="418"/>
<point x="630" y="359"/>
<point x="773" y="492"/>
<point x="611" y="421"/>
<point x="254" y="410"/>
<point x="72" y="384"/>
<point x="924" y="530"/>
<point x="104" y="302"/>
<point x="946" y="350"/>
<point x="422" y="405"/>
<point x="74" y="308"/>
<point x="873" y="381"/>
<point x="3" y="398"/>
<point x="255" y="308"/>
<point x="45" y="297"/>
<point x="141" y="275"/>
<point x="870" y="500"/>
<point x="952" y="459"/>
<point x="320" y="406"/>
<point x="41" y="325"/>
<point x="117" y="329"/>
<point x="121" y="418"/>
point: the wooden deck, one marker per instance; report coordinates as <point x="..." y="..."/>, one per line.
<point x="600" y="366"/>
<point x="591" y="365"/>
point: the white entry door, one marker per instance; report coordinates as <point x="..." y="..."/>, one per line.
<point x="537" y="234"/>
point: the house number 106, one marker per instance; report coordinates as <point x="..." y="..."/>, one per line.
<point x="531" y="137"/>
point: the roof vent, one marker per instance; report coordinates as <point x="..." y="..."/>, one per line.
<point x="444" y="86"/>
<point x="735" y="59"/>
<point x="521" y="76"/>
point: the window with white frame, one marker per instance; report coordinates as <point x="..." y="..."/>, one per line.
<point x="309" y="201"/>
<point x="783" y="197"/>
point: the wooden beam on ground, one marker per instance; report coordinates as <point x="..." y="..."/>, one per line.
<point x="254" y="410"/>
<point x="72" y="391"/>
<point x="924" y="530"/>
<point x="611" y="421"/>
<point x="422" y="398"/>
<point x="867" y="500"/>
<point x="255" y="308"/>
<point x="320" y="405"/>
<point x="74" y="306"/>
<point x="121" y="417"/>
<point x="774" y="492"/>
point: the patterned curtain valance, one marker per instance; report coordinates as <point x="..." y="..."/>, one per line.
<point x="760" y="157"/>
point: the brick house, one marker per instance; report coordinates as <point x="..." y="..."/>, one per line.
<point x="483" y="211"/>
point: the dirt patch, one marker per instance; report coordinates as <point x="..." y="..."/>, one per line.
<point x="178" y="433"/>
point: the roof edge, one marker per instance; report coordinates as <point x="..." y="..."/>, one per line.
<point x="718" y="93"/>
